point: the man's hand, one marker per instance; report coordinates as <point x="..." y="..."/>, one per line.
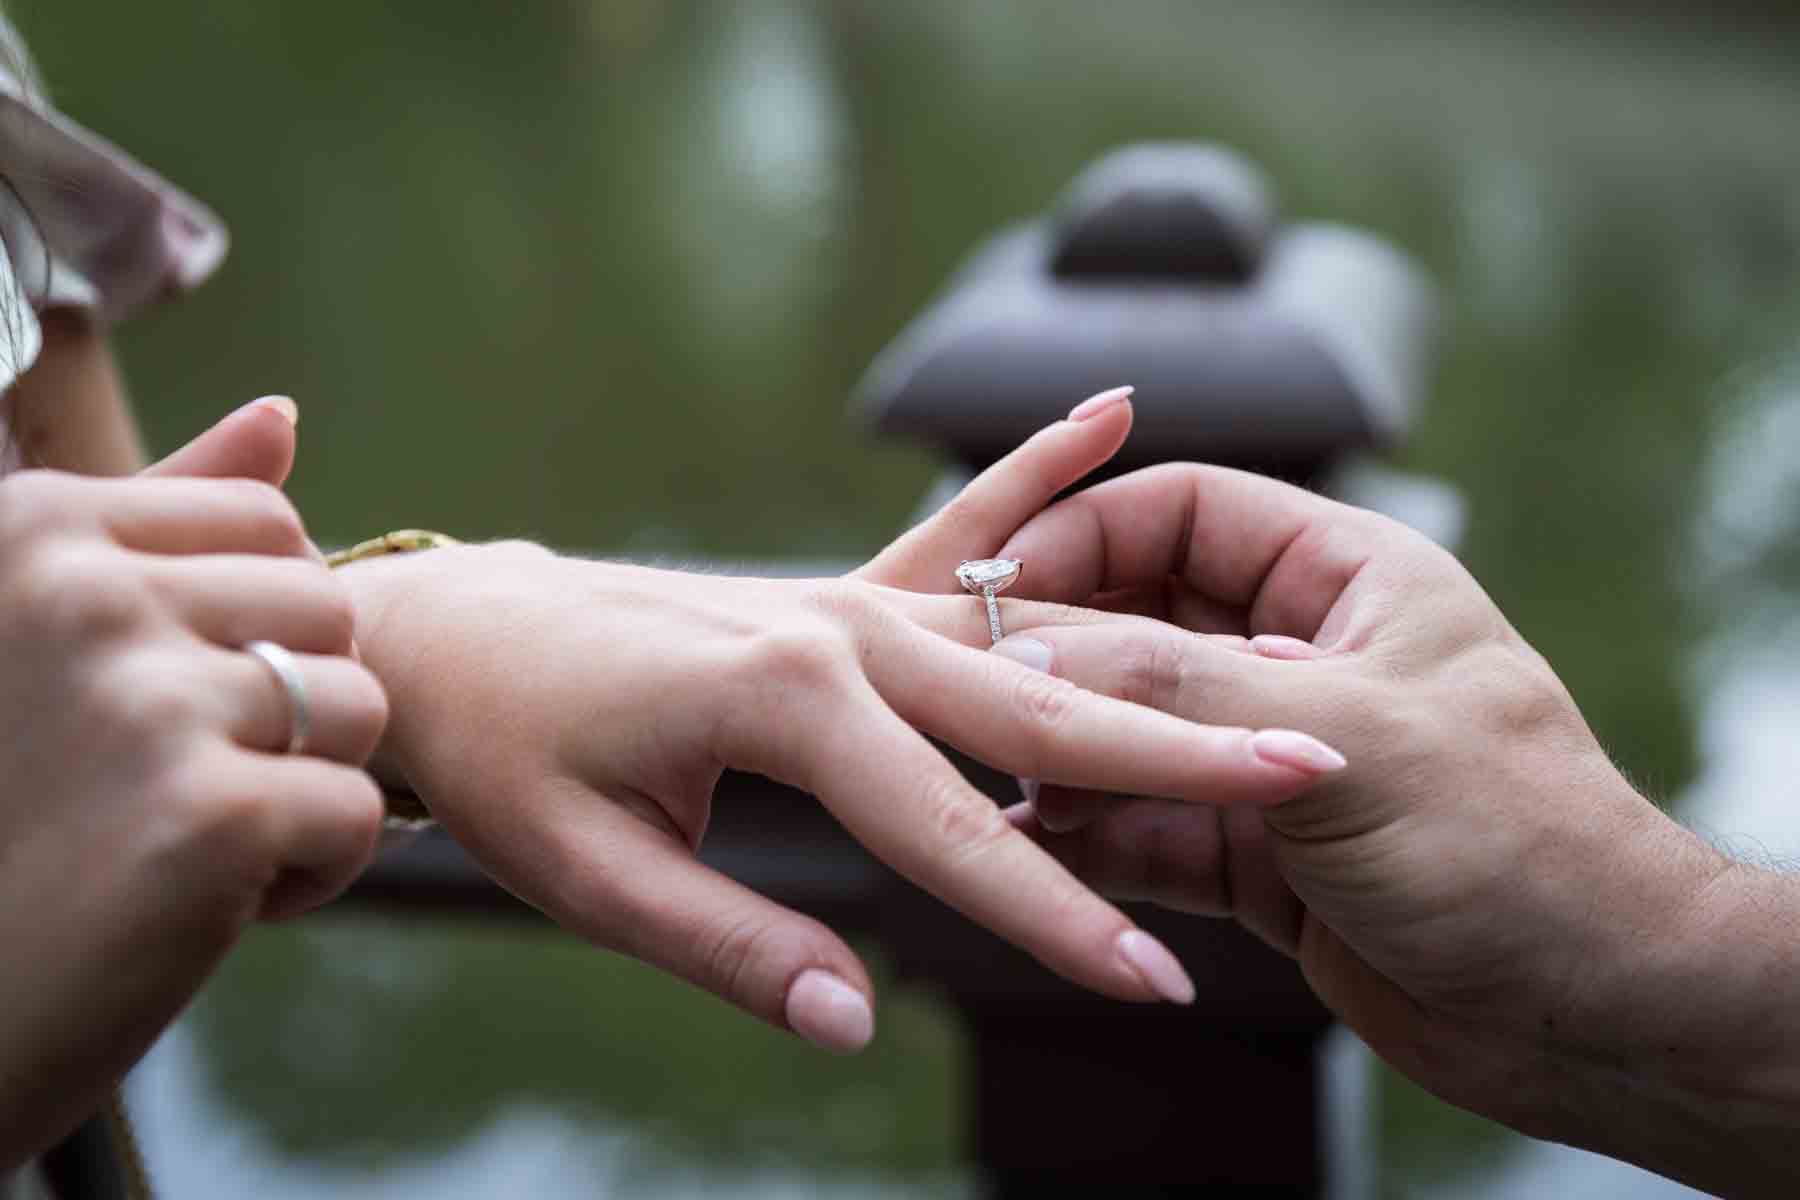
<point x="1480" y="894"/>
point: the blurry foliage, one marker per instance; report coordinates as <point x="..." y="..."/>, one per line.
<point x="603" y="273"/>
<point x="359" y="1040"/>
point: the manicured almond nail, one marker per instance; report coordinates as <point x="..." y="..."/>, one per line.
<point x="1151" y="961"/>
<point x="1288" y="748"/>
<point x="829" y="1013"/>
<point x="1093" y="406"/>
<point x="281" y="404"/>
<point x="1275" y="645"/>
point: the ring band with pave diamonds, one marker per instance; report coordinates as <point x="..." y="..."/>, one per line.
<point x="987" y="578"/>
<point x="287" y="672"/>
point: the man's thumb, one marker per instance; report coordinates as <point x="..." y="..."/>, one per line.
<point x="255" y="442"/>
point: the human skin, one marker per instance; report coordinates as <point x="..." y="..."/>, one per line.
<point x="567" y="720"/>
<point x="1480" y="894"/>
<point x="148" y="808"/>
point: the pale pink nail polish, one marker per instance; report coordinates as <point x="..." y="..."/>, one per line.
<point x="1094" y="405"/>
<point x="1151" y="961"/>
<point x="1027" y="652"/>
<point x="282" y="404"/>
<point x="829" y="1013"/>
<point x="1275" y="645"/>
<point x="1301" y="752"/>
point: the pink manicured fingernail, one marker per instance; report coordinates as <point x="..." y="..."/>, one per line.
<point x="829" y="1013"/>
<point x="1153" y="963"/>
<point x="281" y="404"/>
<point x="1093" y="406"/>
<point x="1275" y="645"/>
<point x="1302" y="752"/>
<point x="1027" y="652"/>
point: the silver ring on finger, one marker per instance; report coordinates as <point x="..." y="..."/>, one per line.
<point x="287" y="673"/>
<point x="987" y="578"/>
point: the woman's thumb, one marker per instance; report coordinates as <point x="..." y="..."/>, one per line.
<point x="255" y="442"/>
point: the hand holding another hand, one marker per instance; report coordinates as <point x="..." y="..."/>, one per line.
<point x="568" y="720"/>
<point x="144" y="779"/>
<point x="1480" y="894"/>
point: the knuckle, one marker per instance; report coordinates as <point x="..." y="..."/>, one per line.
<point x="148" y="702"/>
<point x="76" y="591"/>
<point x="1151" y="671"/>
<point x="964" y="825"/>
<point x="845" y="603"/>
<point x="1045" y="703"/>
<point x="274" y="521"/>
<point x="1524" y="695"/>
<point x="336" y="611"/>
<point x="733" y="955"/>
<point x="805" y="658"/>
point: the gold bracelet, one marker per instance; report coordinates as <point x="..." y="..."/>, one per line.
<point x="401" y="541"/>
<point x="405" y="811"/>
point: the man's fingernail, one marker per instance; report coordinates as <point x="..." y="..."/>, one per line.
<point x="1275" y="645"/>
<point x="282" y="404"/>
<point x="1093" y="406"/>
<point x="1302" y="752"/>
<point x="1061" y="818"/>
<point x="1151" y="961"/>
<point x="829" y="1013"/>
<point x="1027" y="652"/>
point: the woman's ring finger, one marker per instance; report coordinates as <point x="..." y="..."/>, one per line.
<point x="324" y="705"/>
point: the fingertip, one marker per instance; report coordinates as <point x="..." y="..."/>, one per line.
<point x="825" y="1010"/>
<point x="283" y="406"/>
<point x="259" y="443"/>
<point x="1026" y="651"/>
<point x="1059" y="812"/>
<point x="1296" y="751"/>
<point x="1101" y="402"/>
<point x="1151" y="963"/>
<point x="1022" y="817"/>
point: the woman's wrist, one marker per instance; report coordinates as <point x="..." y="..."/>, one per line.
<point x="404" y="618"/>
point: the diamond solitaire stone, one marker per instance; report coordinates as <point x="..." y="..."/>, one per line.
<point x="988" y="574"/>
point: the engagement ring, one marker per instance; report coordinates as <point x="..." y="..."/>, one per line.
<point x="987" y="578"/>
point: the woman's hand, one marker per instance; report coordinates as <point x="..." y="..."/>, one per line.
<point x="147" y="810"/>
<point x="1480" y="894"/>
<point x="568" y="720"/>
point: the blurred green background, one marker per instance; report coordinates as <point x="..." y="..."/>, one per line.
<point x="602" y="272"/>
